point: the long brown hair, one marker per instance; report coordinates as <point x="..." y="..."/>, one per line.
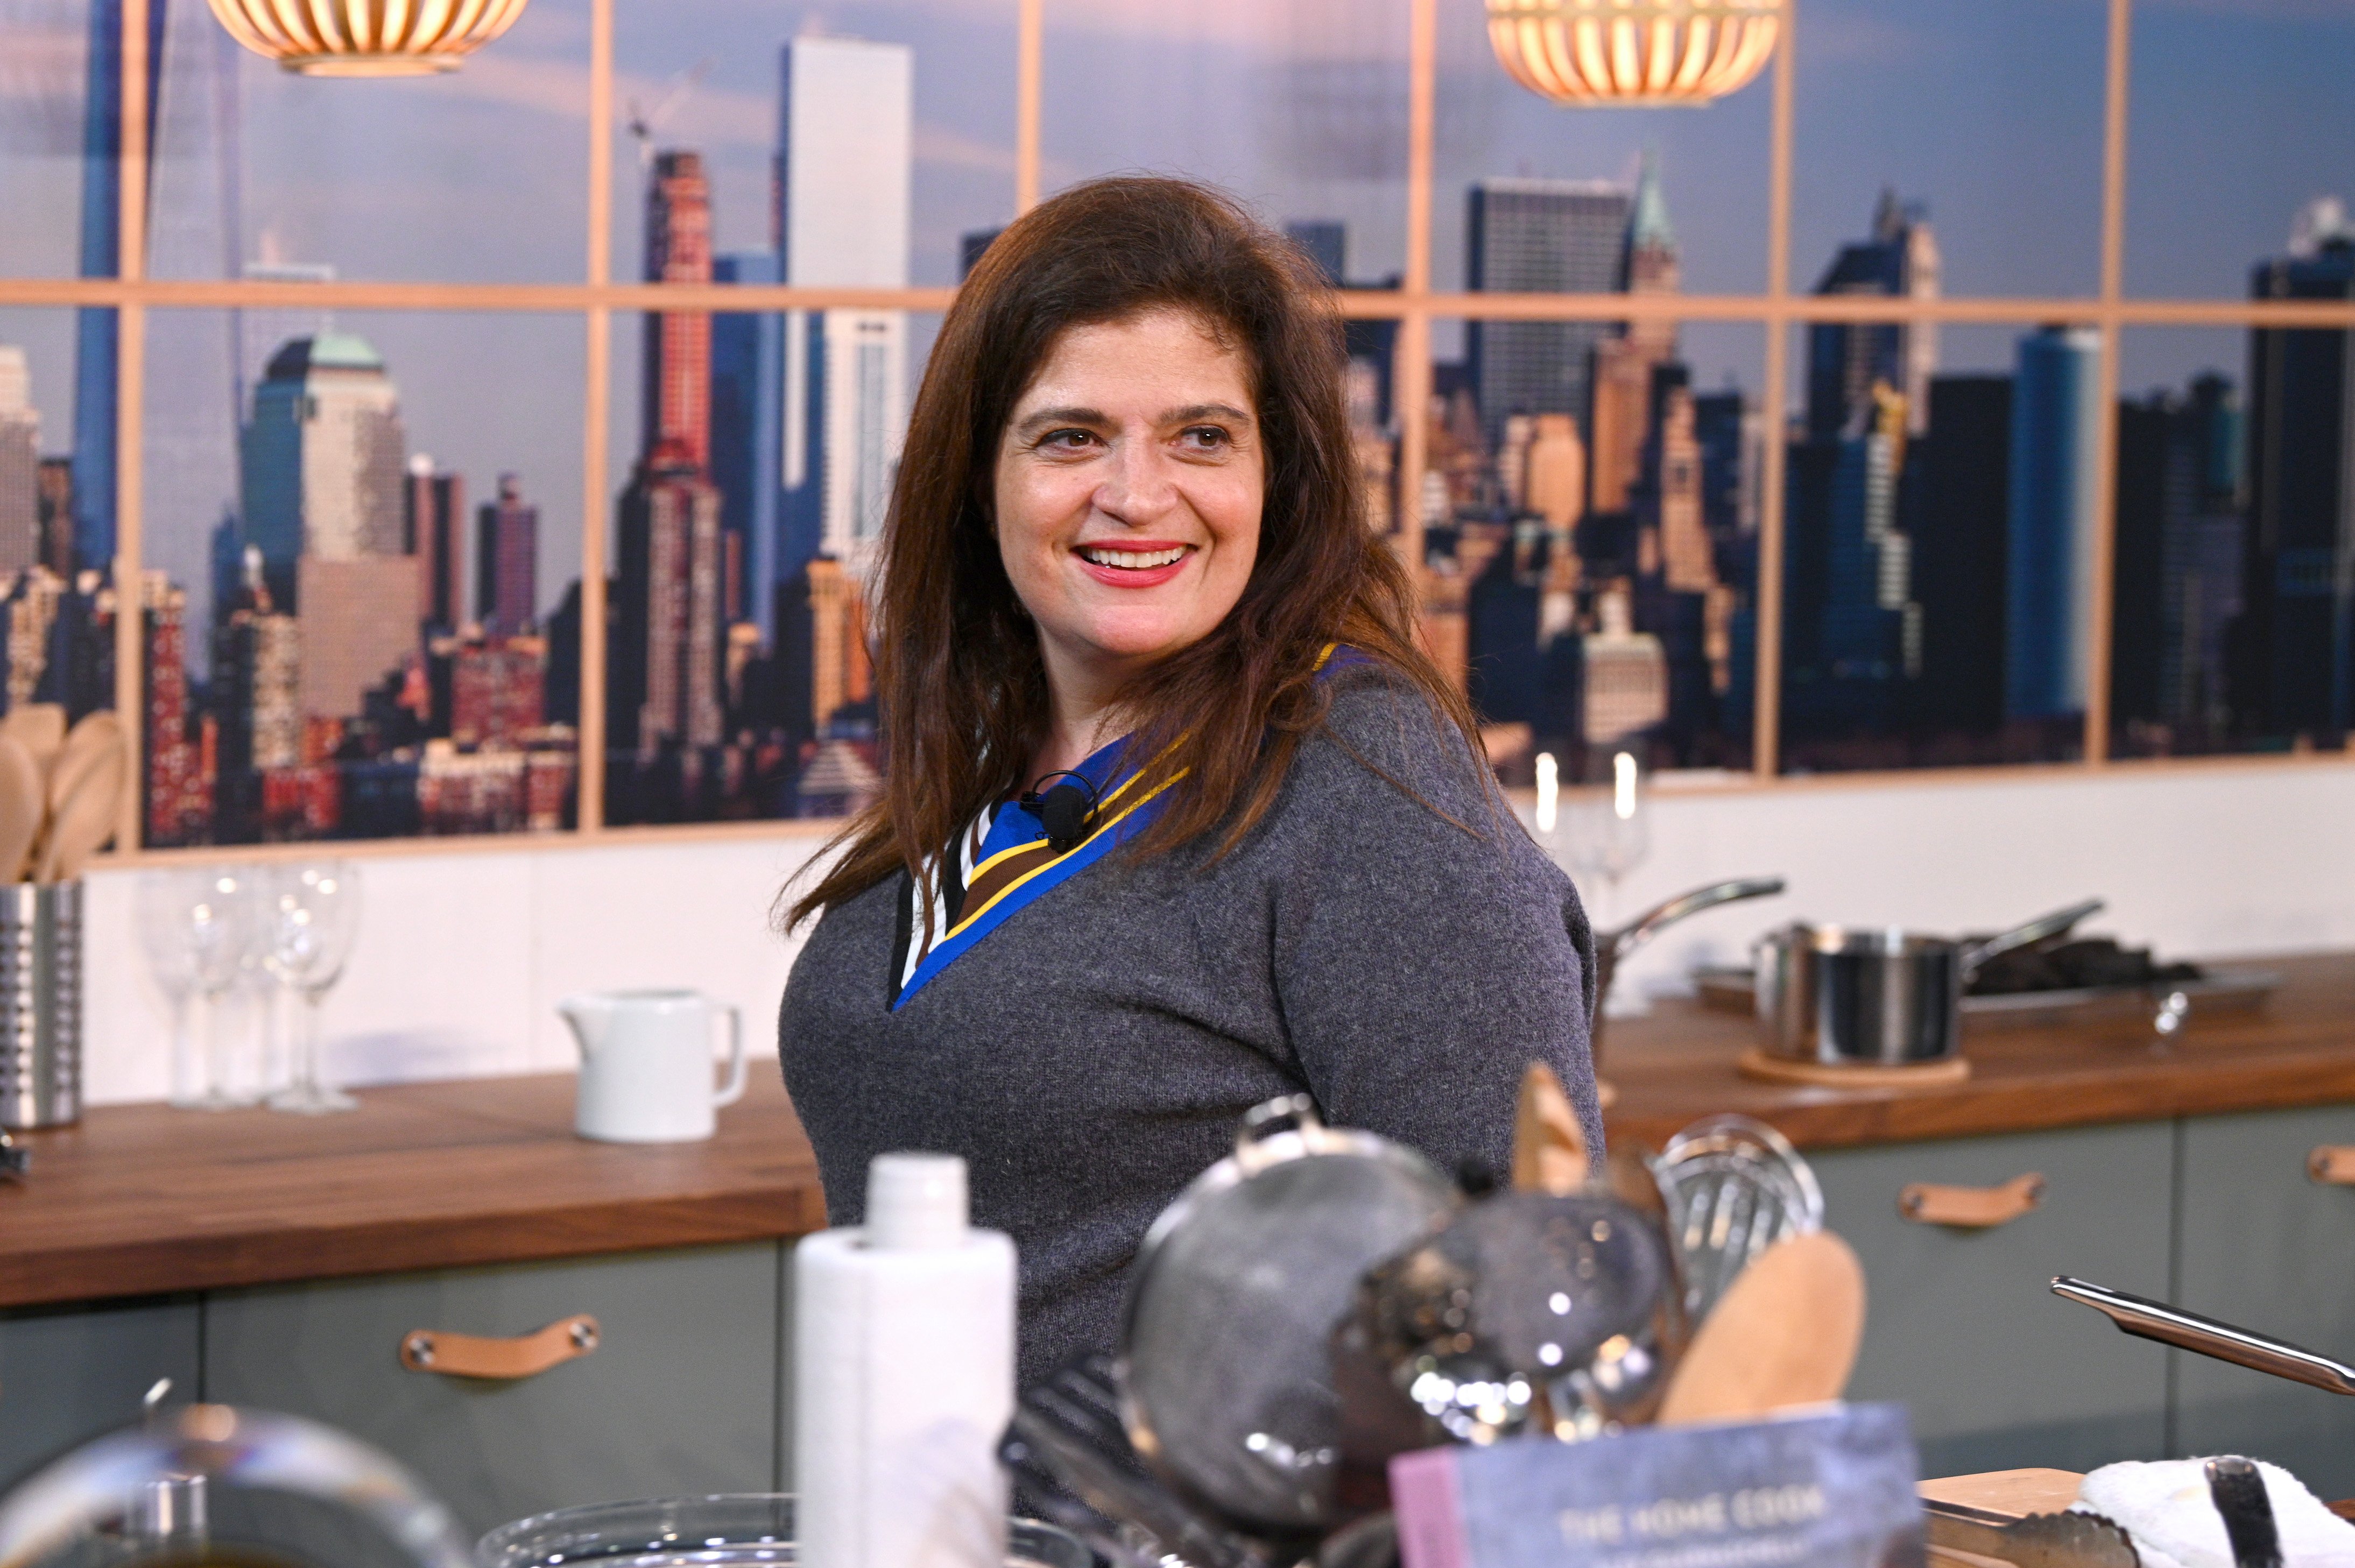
<point x="961" y="686"/>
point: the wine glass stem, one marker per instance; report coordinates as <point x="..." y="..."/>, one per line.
<point x="306" y="1063"/>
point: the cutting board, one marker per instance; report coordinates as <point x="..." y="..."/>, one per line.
<point x="1995" y="1498"/>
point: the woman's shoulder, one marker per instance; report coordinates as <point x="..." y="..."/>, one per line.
<point x="1384" y="736"/>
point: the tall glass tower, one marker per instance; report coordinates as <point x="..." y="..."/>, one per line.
<point x="2049" y="566"/>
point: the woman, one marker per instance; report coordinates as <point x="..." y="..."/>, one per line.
<point x="1127" y="544"/>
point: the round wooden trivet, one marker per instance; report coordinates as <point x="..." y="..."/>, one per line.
<point x="1756" y="1064"/>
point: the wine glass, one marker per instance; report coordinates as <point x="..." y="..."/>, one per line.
<point x="192" y="924"/>
<point x="1606" y="827"/>
<point x="309" y="916"/>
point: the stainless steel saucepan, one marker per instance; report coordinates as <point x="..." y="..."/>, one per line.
<point x="1876" y="997"/>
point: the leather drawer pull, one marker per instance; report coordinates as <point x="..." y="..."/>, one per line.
<point x="1971" y="1208"/>
<point x="525" y="1356"/>
<point x="2333" y="1165"/>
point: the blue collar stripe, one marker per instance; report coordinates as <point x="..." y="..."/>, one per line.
<point x="981" y="922"/>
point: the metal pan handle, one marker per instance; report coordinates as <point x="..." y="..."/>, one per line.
<point x="1648" y="925"/>
<point x="2035" y="931"/>
<point x="1294" y="1113"/>
<point x="2149" y="1319"/>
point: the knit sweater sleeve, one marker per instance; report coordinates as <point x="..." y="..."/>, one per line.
<point x="1425" y="950"/>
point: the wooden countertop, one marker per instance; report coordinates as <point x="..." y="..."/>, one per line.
<point x="140" y="1199"/>
<point x="143" y="1200"/>
<point x="2297" y="1048"/>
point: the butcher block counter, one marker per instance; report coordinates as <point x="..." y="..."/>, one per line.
<point x="285" y="1262"/>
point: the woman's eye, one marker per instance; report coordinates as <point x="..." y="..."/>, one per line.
<point x="1065" y="439"/>
<point x="1206" y="438"/>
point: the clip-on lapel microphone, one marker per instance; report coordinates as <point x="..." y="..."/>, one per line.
<point x="1068" y="811"/>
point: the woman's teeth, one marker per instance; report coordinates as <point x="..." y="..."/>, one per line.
<point x="1134" y="560"/>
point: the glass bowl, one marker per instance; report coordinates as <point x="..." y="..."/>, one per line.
<point x="733" y="1530"/>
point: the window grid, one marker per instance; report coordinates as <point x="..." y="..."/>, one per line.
<point x="598" y="298"/>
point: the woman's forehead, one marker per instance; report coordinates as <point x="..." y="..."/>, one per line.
<point x="1157" y="351"/>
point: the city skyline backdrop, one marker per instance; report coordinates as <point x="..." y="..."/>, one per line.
<point x="1317" y="137"/>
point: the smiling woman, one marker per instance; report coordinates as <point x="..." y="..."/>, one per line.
<point x="1128" y="550"/>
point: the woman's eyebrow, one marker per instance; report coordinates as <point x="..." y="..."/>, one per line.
<point x="1046" y="417"/>
<point x="1206" y="411"/>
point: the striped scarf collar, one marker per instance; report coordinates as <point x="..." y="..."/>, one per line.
<point x="1002" y="863"/>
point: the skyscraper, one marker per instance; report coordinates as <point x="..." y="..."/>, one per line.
<point x="435" y="529"/>
<point x="2299" y="674"/>
<point x="2049" y="556"/>
<point x="507" y="566"/>
<point x="1621" y="395"/>
<point x="179" y="793"/>
<point x="844" y="170"/>
<point x="675" y="406"/>
<point x="323" y="458"/>
<point x="20" y="465"/>
<point x="1540" y="236"/>
<point x="95" y="342"/>
<point x="1960" y="476"/>
<point x="747" y="413"/>
<point x="666" y="684"/>
<point x="1844" y="359"/>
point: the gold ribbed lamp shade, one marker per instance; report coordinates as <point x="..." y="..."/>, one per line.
<point x="367" y="38"/>
<point x="1635" y="53"/>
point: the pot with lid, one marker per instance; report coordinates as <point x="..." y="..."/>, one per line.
<point x="1876" y="997"/>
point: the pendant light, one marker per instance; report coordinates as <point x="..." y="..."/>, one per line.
<point x="367" y="38"/>
<point x="1634" y="53"/>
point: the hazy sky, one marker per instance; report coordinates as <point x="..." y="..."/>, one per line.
<point x="1988" y="110"/>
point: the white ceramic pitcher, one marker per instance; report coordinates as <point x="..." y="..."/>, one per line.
<point x="645" y="1064"/>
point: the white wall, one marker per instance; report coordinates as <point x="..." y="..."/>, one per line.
<point x="463" y="957"/>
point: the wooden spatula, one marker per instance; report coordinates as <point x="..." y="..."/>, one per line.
<point x="24" y="804"/>
<point x="1548" y="1147"/>
<point x="86" y="818"/>
<point x="1784" y="1333"/>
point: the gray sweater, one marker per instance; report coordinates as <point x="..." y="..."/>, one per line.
<point x="1092" y="1056"/>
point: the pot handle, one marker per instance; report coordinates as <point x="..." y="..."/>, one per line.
<point x="2035" y="931"/>
<point x="1265" y="1120"/>
<point x="1971" y="1208"/>
<point x="1651" y="924"/>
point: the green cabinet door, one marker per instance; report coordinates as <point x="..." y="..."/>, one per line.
<point x="67" y="1375"/>
<point x="2265" y="1247"/>
<point x="1960" y="1325"/>
<point x="680" y="1395"/>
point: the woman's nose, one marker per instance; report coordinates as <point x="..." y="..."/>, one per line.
<point x="1140" y="486"/>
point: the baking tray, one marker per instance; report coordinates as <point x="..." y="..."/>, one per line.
<point x="1728" y="990"/>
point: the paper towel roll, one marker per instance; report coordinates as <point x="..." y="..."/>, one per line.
<point x="903" y="1383"/>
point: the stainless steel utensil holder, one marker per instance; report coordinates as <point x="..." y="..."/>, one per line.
<point x="41" y="1004"/>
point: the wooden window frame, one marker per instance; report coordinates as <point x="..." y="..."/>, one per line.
<point x="1414" y="305"/>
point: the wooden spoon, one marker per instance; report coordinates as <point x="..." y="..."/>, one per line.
<point x="1548" y="1147"/>
<point x="39" y="728"/>
<point x="86" y="819"/>
<point x="1785" y="1332"/>
<point x="85" y="752"/>
<point x="24" y="805"/>
<point x="99" y="732"/>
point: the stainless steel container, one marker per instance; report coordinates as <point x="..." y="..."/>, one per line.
<point x="40" y="1004"/>
<point x="1876" y="996"/>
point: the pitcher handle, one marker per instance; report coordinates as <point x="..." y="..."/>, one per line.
<point x="733" y="1090"/>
